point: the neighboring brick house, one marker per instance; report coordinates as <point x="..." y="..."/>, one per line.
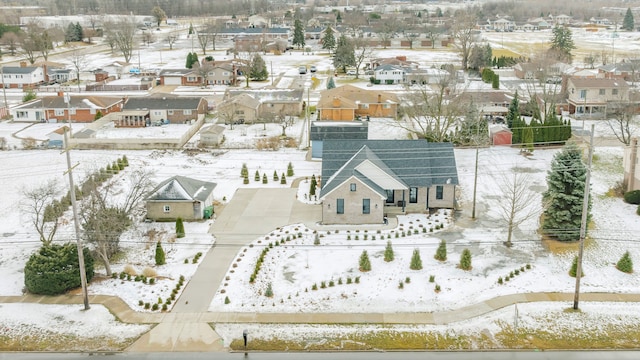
<point x="143" y="111"/>
<point x="81" y="108"/>
<point x="489" y="102"/>
<point x="180" y="197"/>
<point x="588" y="96"/>
<point x="22" y="77"/>
<point x="626" y="70"/>
<point x="272" y="101"/>
<point x="239" y="109"/>
<point x="348" y="102"/>
<point x="363" y="180"/>
<point x="180" y="77"/>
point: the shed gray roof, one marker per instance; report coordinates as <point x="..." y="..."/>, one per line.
<point x="414" y="163"/>
<point x="162" y="103"/>
<point x="182" y="188"/>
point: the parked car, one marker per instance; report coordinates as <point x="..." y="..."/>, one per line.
<point x="351" y="72"/>
<point x="302" y="70"/>
<point x="313" y="68"/>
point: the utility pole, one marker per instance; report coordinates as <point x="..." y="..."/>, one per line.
<point x="475" y="173"/>
<point x="4" y="92"/>
<point x="74" y="205"/>
<point x="583" y="223"/>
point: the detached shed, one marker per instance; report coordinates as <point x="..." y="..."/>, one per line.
<point x="212" y="135"/>
<point x="500" y="134"/>
<point x="180" y="196"/>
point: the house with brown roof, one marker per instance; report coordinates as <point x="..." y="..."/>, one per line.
<point x="180" y="77"/>
<point x="589" y="96"/>
<point x="348" y="102"/>
<point x="239" y="109"/>
<point x="81" y="108"/>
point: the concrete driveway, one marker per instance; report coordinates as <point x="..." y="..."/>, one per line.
<point x="250" y="214"/>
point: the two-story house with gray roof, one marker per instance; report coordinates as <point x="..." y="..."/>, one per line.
<point x="363" y="180"/>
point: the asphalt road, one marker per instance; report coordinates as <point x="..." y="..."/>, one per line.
<point x="461" y="355"/>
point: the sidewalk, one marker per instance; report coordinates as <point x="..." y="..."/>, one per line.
<point x="193" y="331"/>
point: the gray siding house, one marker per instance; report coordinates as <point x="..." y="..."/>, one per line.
<point x="363" y="180"/>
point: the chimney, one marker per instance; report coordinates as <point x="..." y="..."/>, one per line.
<point x="23" y="64"/>
<point x="401" y="58"/>
<point x="379" y="98"/>
<point x="336" y="102"/>
<point x="60" y="93"/>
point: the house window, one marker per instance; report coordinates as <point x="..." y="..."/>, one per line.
<point x="239" y="112"/>
<point x="439" y="192"/>
<point x="191" y="78"/>
<point x="225" y="73"/>
<point x="389" y="196"/>
<point x="602" y="92"/>
<point x="614" y="91"/>
<point x="413" y="195"/>
<point x="386" y="106"/>
<point x="157" y="113"/>
<point x="167" y="208"/>
<point x="583" y="94"/>
<point x="364" y="106"/>
<point x="366" y="206"/>
<point x="352" y="187"/>
<point x="21" y="114"/>
<point x="340" y="206"/>
<point x="186" y="112"/>
<point x="59" y="112"/>
<point x="72" y="111"/>
<point x="170" y="112"/>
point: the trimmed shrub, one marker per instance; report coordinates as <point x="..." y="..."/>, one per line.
<point x="179" y="228"/>
<point x="256" y="177"/>
<point x="388" y="252"/>
<point x="441" y="253"/>
<point x="465" y="260"/>
<point x="625" y="264"/>
<point x="226" y="300"/>
<point x="264" y="178"/>
<point x="244" y="172"/>
<point x="283" y="179"/>
<point x="416" y="262"/>
<point x="432" y="278"/>
<point x="54" y="269"/>
<point x="275" y="176"/>
<point x="290" y="169"/>
<point x="365" y="264"/>
<point x="160" y="260"/>
<point x="632" y="197"/>
<point x="574" y="268"/>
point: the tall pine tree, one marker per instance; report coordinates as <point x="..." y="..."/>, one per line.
<point x="258" y="69"/>
<point x="628" y="23"/>
<point x="298" y="34"/>
<point x="328" y="40"/>
<point x="564" y="196"/>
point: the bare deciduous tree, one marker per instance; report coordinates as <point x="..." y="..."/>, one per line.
<point x="518" y="202"/>
<point x="104" y="220"/>
<point x="41" y="206"/>
<point x="621" y="120"/>
<point x="361" y="51"/>
<point x="79" y="62"/>
<point x="429" y="113"/>
<point x="11" y="41"/>
<point x="171" y="39"/>
<point x="121" y="34"/>
<point x="463" y="31"/>
<point x="203" y="40"/>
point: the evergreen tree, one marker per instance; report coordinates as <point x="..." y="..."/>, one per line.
<point x="179" y="228"/>
<point x="290" y="169"/>
<point x="256" y="176"/>
<point x="388" y="252"/>
<point x="194" y="59"/>
<point x="245" y="171"/>
<point x="331" y="84"/>
<point x="264" y="178"/>
<point x="283" y="180"/>
<point x="79" y="32"/>
<point x="258" y="70"/>
<point x="465" y="260"/>
<point x="344" y="55"/>
<point x="628" y="23"/>
<point x="562" y="43"/>
<point x="625" y="264"/>
<point x="416" y="262"/>
<point x="564" y="196"/>
<point x="573" y="272"/>
<point x="527" y="139"/>
<point x="328" y="41"/>
<point x="298" y="34"/>
<point x="441" y="253"/>
<point x="312" y="187"/>
<point x="189" y="61"/>
<point x="269" y="291"/>
<point x="514" y="111"/>
<point x="365" y="264"/>
<point x="439" y="12"/>
<point x="495" y="81"/>
<point x="338" y="17"/>
<point x="125" y="160"/>
<point x="160" y="260"/>
<point x="275" y="176"/>
<point x="190" y="28"/>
